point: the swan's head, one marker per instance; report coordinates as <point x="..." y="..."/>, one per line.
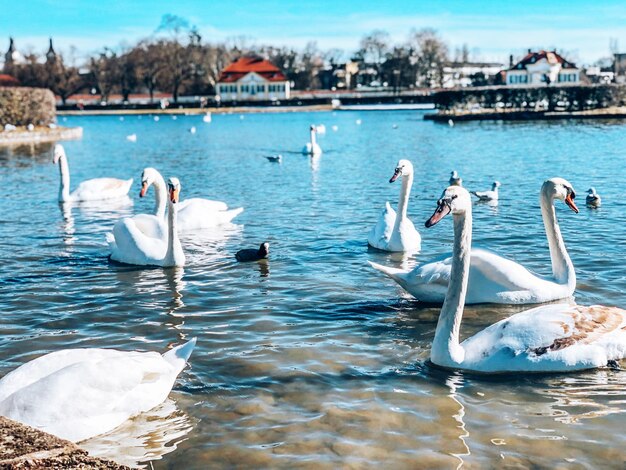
<point x="173" y="188"/>
<point x="559" y="188"/>
<point x="455" y="200"/>
<point x="148" y="177"/>
<point x="59" y="152"/>
<point x="312" y="128"/>
<point x="403" y="168"/>
<point x="495" y="185"/>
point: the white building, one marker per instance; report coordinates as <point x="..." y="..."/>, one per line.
<point x="543" y="68"/>
<point x="463" y="74"/>
<point x="252" y="78"/>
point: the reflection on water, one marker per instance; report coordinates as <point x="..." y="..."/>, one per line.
<point x="147" y="437"/>
<point x="312" y="358"/>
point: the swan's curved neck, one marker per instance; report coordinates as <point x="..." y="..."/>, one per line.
<point x="174" y="249"/>
<point x="403" y="202"/>
<point x="446" y="349"/>
<point x="160" y="196"/>
<point x="64" y="188"/>
<point x="312" y="138"/>
<point x="562" y="267"/>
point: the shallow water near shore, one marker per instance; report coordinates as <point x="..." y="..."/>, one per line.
<point x="313" y="359"/>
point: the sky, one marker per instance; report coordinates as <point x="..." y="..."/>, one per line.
<point x="491" y="29"/>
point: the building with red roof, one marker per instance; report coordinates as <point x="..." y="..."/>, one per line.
<point x="543" y="68"/>
<point x="252" y="78"/>
<point x="8" y="80"/>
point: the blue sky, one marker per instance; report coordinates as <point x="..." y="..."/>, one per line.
<point x="491" y="29"/>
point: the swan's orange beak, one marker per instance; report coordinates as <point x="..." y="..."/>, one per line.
<point x="144" y="189"/>
<point x="442" y="210"/>
<point x="174" y="195"/>
<point x="569" y="200"/>
<point x="395" y="175"/>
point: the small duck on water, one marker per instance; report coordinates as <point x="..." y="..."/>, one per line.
<point x="593" y="199"/>
<point x="252" y="254"/>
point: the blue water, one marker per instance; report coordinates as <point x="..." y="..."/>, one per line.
<point x="313" y="358"/>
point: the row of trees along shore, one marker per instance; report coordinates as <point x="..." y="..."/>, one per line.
<point x="177" y="60"/>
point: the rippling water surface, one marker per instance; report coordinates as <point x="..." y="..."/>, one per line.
<point x="314" y="359"/>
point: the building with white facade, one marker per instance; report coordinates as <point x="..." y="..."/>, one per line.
<point x="252" y="78"/>
<point x="543" y="68"/>
<point x="464" y="74"/>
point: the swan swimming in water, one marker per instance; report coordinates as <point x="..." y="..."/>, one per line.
<point x="312" y="147"/>
<point x="130" y="245"/>
<point x="194" y="213"/>
<point x="76" y="394"/>
<point x="494" y="279"/>
<point x="395" y="231"/>
<point x="90" y="190"/>
<point x="488" y="196"/>
<point x="548" y="338"/>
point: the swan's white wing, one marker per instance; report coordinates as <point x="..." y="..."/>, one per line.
<point x="550" y="337"/>
<point x="101" y="188"/>
<point x="381" y="232"/>
<point x="151" y="225"/>
<point x="492" y="278"/>
<point x="133" y="247"/>
<point x="202" y="205"/>
<point x="202" y="213"/>
<point x="104" y="393"/>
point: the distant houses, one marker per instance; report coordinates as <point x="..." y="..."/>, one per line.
<point x="542" y="68"/>
<point x="465" y="73"/>
<point x="252" y="78"/>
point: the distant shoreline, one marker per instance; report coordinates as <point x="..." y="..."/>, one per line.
<point x="196" y="111"/>
<point x="603" y="113"/>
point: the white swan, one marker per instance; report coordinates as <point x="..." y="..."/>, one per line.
<point x="396" y="232"/>
<point x="193" y="214"/>
<point x="494" y="279"/>
<point x="90" y="190"/>
<point x="593" y="198"/>
<point x="455" y="179"/>
<point x="488" y="195"/>
<point x="76" y="394"/>
<point x="131" y="246"/>
<point x="312" y="147"/>
<point x="549" y="338"/>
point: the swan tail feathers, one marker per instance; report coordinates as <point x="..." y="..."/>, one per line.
<point x="180" y="354"/>
<point x="393" y="273"/>
<point x="229" y="215"/>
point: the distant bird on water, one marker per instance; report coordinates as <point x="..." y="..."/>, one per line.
<point x="252" y="254"/>
<point x="192" y="130"/>
<point x="593" y="199"/>
<point x="132" y="138"/>
<point x="488" y="195"/>
<point x="275" y="158"/>
<point x="455" y="179"/>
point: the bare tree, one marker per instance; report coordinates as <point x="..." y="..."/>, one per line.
<point x="430" y="55"/>
<point x="374" y="48"/>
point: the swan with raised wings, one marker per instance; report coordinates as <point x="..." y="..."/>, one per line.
<point x="549" y="338"/>
<point x="194" y="213"/>
<point x="395" y="231"/>
<point x="76" y="394"/>
<point x="89" y="190"/>
<point x="130" y="245"/>
<point x="494" y="279"/>
<point x="312" y="147"/>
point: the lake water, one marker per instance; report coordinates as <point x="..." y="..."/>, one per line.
<point x="313" y="359"/>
